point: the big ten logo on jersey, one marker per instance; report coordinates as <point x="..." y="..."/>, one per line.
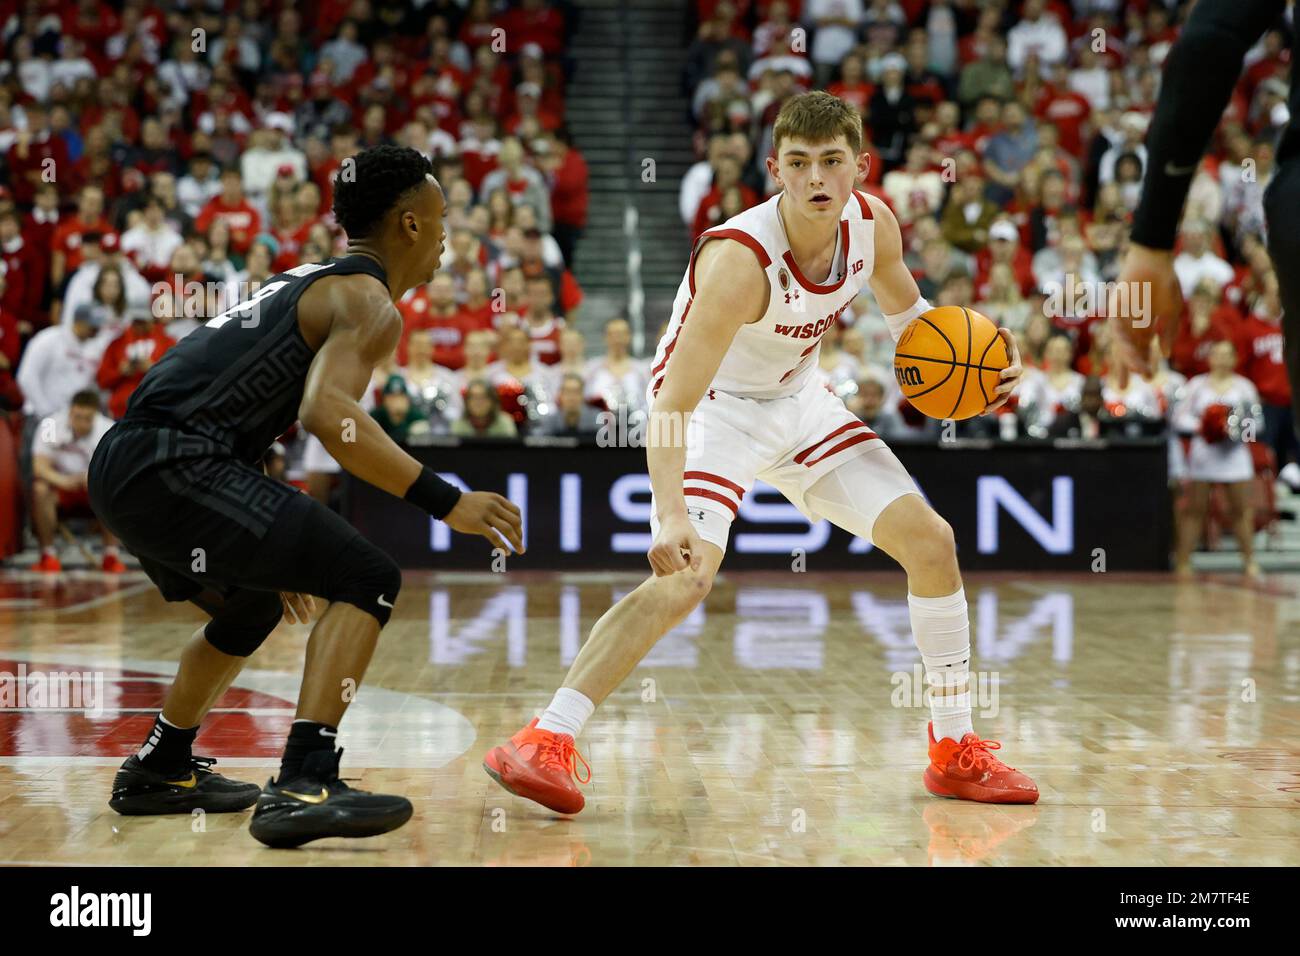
<point x="812" y="330"/>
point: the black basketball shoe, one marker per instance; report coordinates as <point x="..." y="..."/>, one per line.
<point x="139" y="791"/>
<point x="317" y="804"/>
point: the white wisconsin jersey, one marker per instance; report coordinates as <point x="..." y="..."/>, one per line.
<point x="777" y="355"/>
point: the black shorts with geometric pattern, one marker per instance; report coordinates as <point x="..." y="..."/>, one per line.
<point x="200" y="520"/>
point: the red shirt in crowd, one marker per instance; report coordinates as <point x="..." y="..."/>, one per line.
<point x="132" y="346"/>
<point x="1260" y="359"/>
<point x="69" y="237"/>
<point x="244" y="222"/>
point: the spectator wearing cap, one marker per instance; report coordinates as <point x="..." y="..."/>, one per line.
<point x="396" y="414"/>
<point x="151" y="242"/>
<point x="1004" y="247"/>
<point x="269" y="152"/>
<point x="61" y="449"/>
<point x="522" y="183"/>
<point x="230" y="204"/>
<point x="127" y="286"/>
<point x="528" y="106"/>
<point x="60" y="361"/>
<point x="200" y="184"/>
<point x="68" y="237"/>
<point x="1038" y="33"/>
<point x="128" y="356"/>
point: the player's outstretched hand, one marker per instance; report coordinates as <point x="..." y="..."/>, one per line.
<point x="676" y="548"/>
<point x="488" y="514"/>
<point x="1146" y="302"/>
<point x="1010" y="376"/>
<point x="298" y="608"/>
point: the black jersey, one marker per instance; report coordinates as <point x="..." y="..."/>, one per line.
<point x="238" y="380"/>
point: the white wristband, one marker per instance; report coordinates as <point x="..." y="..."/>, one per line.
<point x="897" y="323"/>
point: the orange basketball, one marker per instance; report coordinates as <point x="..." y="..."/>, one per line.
<point x="947" y="362"/>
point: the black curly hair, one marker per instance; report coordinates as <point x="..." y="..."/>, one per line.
<point x="379" y="177"/>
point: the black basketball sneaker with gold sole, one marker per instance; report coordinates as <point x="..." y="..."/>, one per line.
<point x="139" y="791"/>
<point x="317" y="804"/>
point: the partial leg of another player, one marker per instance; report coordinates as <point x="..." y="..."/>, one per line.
<point x="907" y="529"/>
<point x="539" y="762"/>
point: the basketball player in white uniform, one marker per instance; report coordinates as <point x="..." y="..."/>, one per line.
<point x="739" y="361"/>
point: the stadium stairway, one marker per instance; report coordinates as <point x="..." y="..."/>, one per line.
<point x="625" y="107"/>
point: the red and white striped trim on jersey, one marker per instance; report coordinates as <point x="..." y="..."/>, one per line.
<point x="740" y="236"/>
<point x="730" y="490"/>
<point x="860" y="433"/>
<point x="845" y="244"/>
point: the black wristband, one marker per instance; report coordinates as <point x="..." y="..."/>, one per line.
<point x="431" y="493"/>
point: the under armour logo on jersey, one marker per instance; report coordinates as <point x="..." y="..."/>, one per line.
<point x="791" y="296"/>
<point x="711" y="395"/>
<point x="695" y="513"/>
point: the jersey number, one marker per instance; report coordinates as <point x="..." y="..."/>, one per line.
<point x="248" y="308"/>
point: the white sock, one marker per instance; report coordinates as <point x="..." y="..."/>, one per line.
<point x="941" y="628"/>
<point x="568" y="712"/>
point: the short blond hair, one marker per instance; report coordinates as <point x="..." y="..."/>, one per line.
<point x="817" y="117"/>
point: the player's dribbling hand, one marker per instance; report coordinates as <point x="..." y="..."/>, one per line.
<point x="488" y="514"/>
<point x="1146" y="301"/>
<point x="1010" y="376"/>
<point x="675" y="548"/>
<point x="298" y="608"/>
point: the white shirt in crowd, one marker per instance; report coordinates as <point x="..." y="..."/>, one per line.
<point x="151" y="247"/>
<point x="1192" y="269"/>
<point x="81" y="290"/>
<point x="56" y="366"/>
<point x="1044" y="36"/>
<point x="68" y="454"/>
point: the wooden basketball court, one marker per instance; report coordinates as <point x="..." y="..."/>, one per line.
<point x="781" y="724"/>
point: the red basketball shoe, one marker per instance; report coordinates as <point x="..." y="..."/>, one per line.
<point x="113" y="564"/>
<point x="539" y="765"/>
<point x="48" y="564"/>
<point x="968" y="771"/>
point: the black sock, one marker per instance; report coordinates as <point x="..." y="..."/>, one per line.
<point x="168" y="747"/>
<point x="305" y="736"/>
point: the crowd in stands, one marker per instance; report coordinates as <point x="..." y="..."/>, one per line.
<point x="159" y="161"/>
<point x="1007" y="138"/>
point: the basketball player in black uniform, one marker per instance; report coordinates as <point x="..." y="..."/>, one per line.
<point x="178" y="480"/>
<point x="1200" y="72"/>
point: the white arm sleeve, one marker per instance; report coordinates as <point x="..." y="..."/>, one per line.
<point x="898" y="322"/>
